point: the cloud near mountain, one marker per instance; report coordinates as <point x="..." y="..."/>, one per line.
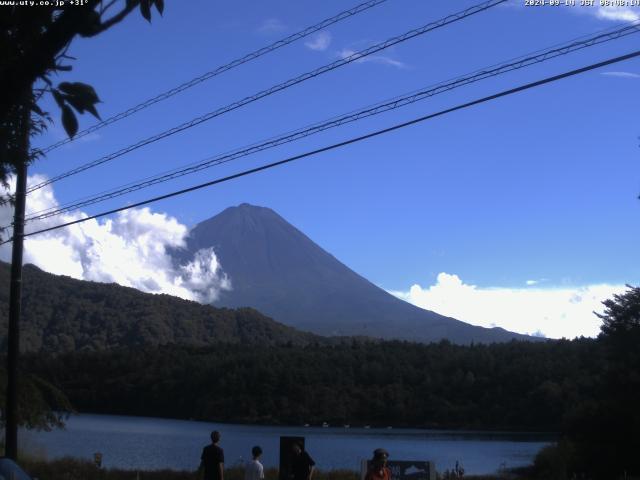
<point x="289" y="277"/>
<point x="555" y="312"/>
<point x="130" y="249"/>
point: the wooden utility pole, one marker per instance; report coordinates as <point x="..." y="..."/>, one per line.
<point x="15" y="294"/>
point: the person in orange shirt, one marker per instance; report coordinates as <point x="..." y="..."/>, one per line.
<point x="378" y="469"/>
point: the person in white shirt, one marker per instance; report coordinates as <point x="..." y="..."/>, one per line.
<point x="254" y="469"/>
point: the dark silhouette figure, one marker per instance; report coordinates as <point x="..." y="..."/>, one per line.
<point x="378" y="469"/>
<point x="212" y="459"/>
<point x="302" y="465"/>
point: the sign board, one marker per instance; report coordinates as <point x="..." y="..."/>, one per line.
<point x="405" y="469"/>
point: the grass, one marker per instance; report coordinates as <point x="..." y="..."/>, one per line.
<point x="38" y="466"/>
<point x="75" y="469"/>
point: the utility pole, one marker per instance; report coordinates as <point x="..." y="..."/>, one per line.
<point x="15" y="294"/>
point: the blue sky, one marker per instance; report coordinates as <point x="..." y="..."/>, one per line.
<point x="537" y="191"/>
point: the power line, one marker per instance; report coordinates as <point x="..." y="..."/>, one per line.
<point x="219" y="70"/>
<point x="334" y="146"/>
<point x="276" y="88"/>
<point x="398" y="102"/>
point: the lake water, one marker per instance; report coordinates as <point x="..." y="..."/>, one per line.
<point x="153" y="443"/>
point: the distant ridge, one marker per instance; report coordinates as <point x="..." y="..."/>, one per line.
<point x="278" y="270"/>
<point x="61" y="314"/>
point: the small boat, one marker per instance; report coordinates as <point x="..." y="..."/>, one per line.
<point x="325" y="424"/>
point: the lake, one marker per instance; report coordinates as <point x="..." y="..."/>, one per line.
<point x="154" y="443"/>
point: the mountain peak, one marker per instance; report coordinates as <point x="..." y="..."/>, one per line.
<point x="246" y="210"/>
<point x="277" y="269"/>
<point x="247" y="206"/>
<point x="242" y="223"/>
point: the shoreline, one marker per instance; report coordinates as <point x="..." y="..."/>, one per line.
<point x="151" y="443"/>
<point x="351" y="427"/>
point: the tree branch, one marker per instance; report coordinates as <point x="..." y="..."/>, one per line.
<point x="106" y="7"/>
<point x="115" y="19"/>
<point x="38" y="59"/>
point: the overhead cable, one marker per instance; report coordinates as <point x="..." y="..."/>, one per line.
<point x="392" y="104"/>
<point x="277" y="88"/>
<point x="334" y="146"/>
<point x="219" y="70"/>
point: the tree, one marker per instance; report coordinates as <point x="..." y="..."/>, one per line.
<point x="621" y="318"/>
<point x="33" y="47"/>
<point x="604" y="430"/>
<point x="42" y="405"/>
<point x="621" y="380"/>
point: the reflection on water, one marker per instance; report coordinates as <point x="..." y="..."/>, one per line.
<point x="151" y="443"/>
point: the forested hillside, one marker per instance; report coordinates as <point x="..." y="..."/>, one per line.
<point x="518" y="385"/>
<point x="61" y="314"/>
<point x="588" y="390"/>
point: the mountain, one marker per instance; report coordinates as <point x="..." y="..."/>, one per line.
<point x="61" y="314"/>
<point x="276" y="269"/>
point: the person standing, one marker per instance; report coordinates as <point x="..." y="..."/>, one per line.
<point x="378" y="469"/>
<point x="254" y="469"/>
<point x="212" y="459"/>
<point x="302" y="465"/>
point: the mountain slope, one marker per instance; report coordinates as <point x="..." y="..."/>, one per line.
<point x="276" y="269"/>
<point x="61" y="314"/>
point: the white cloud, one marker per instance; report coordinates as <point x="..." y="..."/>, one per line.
<point x="271" y="25"/>
<point x="512" y="4"/>
<point x="609" y="13"/>
<point x="618" y="14"/>
<point x="551" y="312"/>
<point x="319" y="42"/>
<point x="202" y="276"/>
<point x="130" y="249"/>
<point x="380" y="59"/>
<point x="621" y="74"/>
<point x="90" y="137"/>
<point x="57" y="133"/>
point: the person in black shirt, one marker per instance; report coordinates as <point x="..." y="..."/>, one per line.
<point x="212" y="459"/>
<point x="302" y="465"/>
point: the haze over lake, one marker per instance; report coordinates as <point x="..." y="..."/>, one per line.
<point x="152" y="443"/>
